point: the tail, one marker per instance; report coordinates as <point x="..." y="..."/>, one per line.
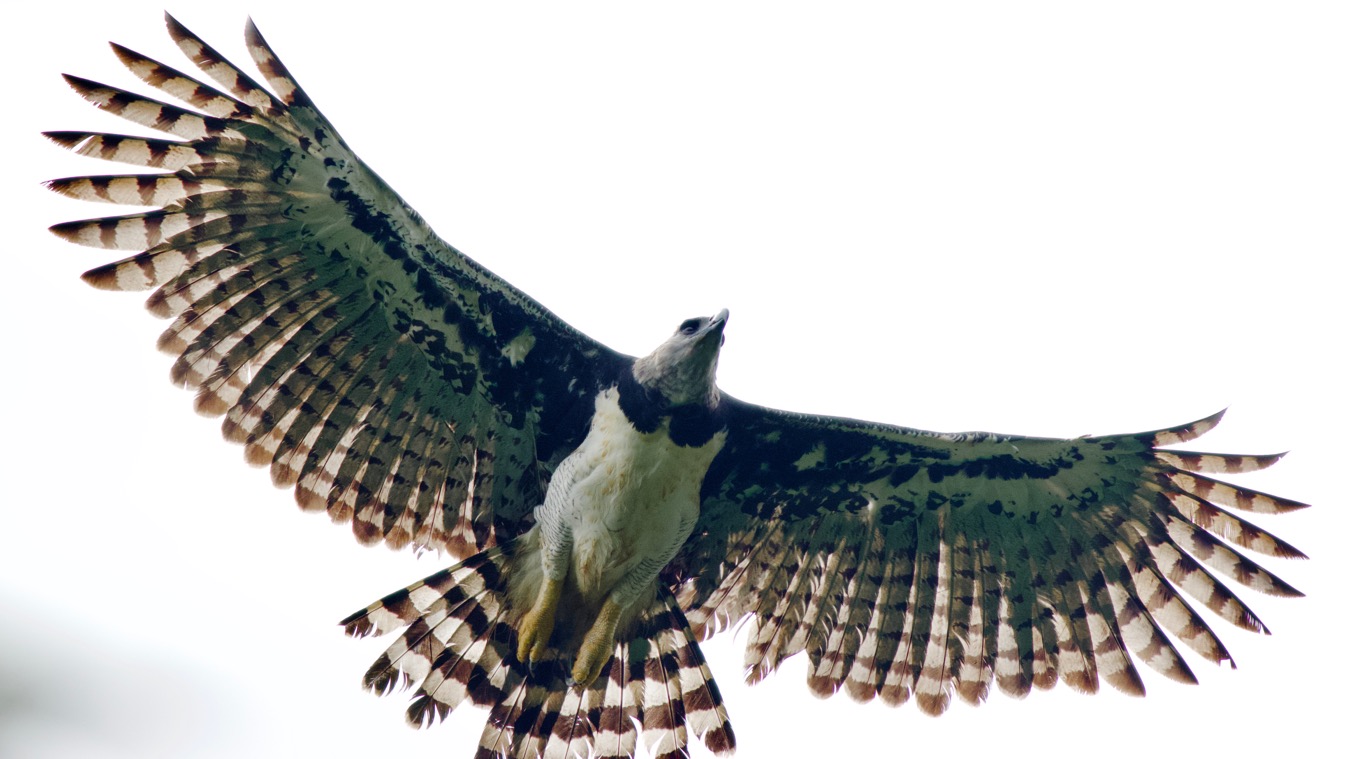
<point x="459" y="646"/>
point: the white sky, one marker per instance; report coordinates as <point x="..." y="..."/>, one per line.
<point x="1042" y="218"/>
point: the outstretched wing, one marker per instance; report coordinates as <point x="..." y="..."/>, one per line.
<point x="915" y="563"/>
<point x="390" y="379"/>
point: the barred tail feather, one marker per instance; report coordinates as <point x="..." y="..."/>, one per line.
<point x="457" y="646"/>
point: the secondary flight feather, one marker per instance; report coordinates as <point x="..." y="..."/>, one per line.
<point x="612" y="511"/>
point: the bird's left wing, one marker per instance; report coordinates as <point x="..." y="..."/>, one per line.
<point x="916" y="563"/>
<point x="390" y="379"/>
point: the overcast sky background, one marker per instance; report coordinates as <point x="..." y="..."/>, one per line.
<point x="1040" y="218"/>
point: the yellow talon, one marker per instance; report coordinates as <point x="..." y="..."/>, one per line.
<point x="596" y="647"/>
<point x="537" y="625"/>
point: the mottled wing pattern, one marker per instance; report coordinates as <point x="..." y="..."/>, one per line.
<point x="908" y="563"/>
<point x="458" y="646"/>
<point x="390" y="379"/>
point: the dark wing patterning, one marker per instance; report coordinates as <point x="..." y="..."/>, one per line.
<point x="393" y="381"/>
<point x="915" y="563"/>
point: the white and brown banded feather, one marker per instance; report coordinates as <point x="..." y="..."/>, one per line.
<point x="457" y="646"/>
<point x="842" y="639"/>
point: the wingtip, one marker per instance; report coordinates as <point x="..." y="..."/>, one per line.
<point x="102" y="277"/>
<point x="88" y="89"/>
<point x="1186" y="432"/>
<point x="1264" y="461"/>
<point x="64" y="138"/>
<point x="1289" y="505"/>
<point x="1209" y="422"/>
<point x="123" y="53"/>
<point x="1287" y="551"/>
<point x="358" y="616"/>
<point x="66" y="230"/>
<point x="251" y="33"/>
<point x="176" y="29"/>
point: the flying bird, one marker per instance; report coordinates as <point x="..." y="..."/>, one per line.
<point x="610" y="512"/>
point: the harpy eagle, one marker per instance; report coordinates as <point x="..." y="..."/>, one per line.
<point x="610" y="511"/>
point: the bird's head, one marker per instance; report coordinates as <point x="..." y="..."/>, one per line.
<point x="683" y="368"/>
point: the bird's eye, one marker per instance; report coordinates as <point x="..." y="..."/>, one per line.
<point x="690" y="326"/>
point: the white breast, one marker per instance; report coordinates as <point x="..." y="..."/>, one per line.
<point x="631" y="499"/>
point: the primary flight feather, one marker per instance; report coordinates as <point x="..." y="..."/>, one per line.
<point x="612" y="511"/>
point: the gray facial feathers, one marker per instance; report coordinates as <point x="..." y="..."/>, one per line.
<point x="682" y="370"/>
<point x="677" y="382"/>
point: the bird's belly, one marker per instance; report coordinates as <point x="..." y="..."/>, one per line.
<point x="625" y="515"/>
<point x="632" y="497"/>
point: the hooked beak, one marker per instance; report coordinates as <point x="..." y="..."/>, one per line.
<point x="716" y="325"/>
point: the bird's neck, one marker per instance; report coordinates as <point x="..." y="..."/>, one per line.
<point x="690" y="424"/>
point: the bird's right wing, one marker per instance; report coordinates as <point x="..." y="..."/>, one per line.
<point x="906" y="562"/>
<point x="390" y="379"/>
